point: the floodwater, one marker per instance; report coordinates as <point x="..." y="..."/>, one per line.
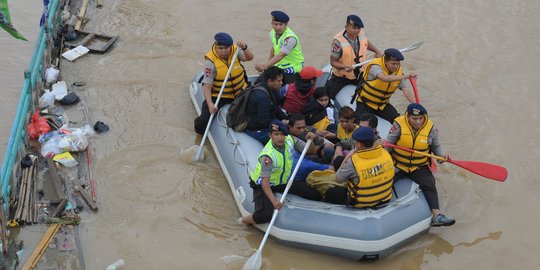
<point x="477" y="76"/>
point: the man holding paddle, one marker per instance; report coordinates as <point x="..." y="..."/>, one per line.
<point x="272" y="174"/>
<point x="381" y="78"/>
<point x="416" y="131"/>
<point x="218" y="62"/>
<point x="349" y="47"/>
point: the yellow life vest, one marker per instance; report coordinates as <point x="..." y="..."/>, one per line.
<point x="236" y="81"/>
<point x="343" y="134"/>
<point x="376" y="93"/>
<point x="375" y="171"/>
<point x="409" y="162"/>
<point x="348" y="54"/>
<point x="322" y="124"/>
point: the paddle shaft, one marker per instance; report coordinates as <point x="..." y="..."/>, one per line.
<point x="289" y="184"/>
<point x="410" y="48"/>
<point x="415" y="89"/>
<point x="414" y="151"/>
<point x="200" y="148"/>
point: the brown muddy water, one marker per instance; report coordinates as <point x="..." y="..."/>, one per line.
<point x="478" y="78"/>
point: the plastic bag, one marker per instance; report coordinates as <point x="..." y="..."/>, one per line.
<point x="51" y="75"/>
<point x="46" y="101"/>
<point x="65" y="140"/>
<point x="38" y="126"/>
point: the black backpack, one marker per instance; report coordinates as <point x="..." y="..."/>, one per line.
<point x="237" y="117"/>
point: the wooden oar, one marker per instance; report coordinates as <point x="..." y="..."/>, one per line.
<point x="406" y="49"/>
<point x="484" y="169"/>
<point x="255" y="261"/>
<point x="199" y="152"/>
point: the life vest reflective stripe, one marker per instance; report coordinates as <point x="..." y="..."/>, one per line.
<point x="375" y="170"/>
<point x="376" y="93"/>
<point x="349" y="55"/>
<point x="294" y="61"/>
<point x="281" y="163"/>
<point x="322" y="124"/>
<point x="342" y="134"/>
<point x="296" y="101"/>
<point x="409" y="162"/>
<point x="237" y="79"/>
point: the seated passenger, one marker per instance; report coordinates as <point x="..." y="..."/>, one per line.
<point x="218" y="60"/>
<point x="345" y="127"/>
<point x="366" y="120"/>
<point x="263" y="105"/>
<point x="317" y="110"/>
<point x="272" y="174"/>
<point x="298" y="93"/>
<point x="369" y="172"/>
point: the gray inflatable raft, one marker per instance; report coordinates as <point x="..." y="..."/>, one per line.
<point x="358" y="234"/>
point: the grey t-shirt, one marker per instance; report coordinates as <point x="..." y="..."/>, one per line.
<point x="287" y="45"/>
<point x="376" y="69"/>
<point x="337" y="50"/>
<point x="346" y="172"/>
<point x="210" y="69"/>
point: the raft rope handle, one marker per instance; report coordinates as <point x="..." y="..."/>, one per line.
<point x="221" y="120"/>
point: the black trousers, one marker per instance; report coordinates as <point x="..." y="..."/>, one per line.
<point x="264" y="209"/>
<point x="335" y="84"/>
<point x="425" y="179"/>
<point x="389" y="113"/>
<point x="201" y="122"/>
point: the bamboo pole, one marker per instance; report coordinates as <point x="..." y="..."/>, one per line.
<point x="82" y="12"/>
<point x="41" y="247"/>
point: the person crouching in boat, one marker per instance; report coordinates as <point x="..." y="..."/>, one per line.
<point x="368" y="171"/>
<point x="298" y="93"/>
<point x="382" y="77"/>
<point x="272" y="174"/>
<point x="415" y="130"/>
<point x="263" y="105"/>
<point x="218" y="61"/>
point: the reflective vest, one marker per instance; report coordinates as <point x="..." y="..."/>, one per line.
<point x="237" y="79"/>
<point x="296" y="101"/>
<point x="343" y="134"/>
<point x="375" y="171"/>
<point x="294" y="61"/>
<point x="348" y="55"/>
<point x="281" y="163"/>
<point x="409" y="162"/>
<point x="376" y="93"/>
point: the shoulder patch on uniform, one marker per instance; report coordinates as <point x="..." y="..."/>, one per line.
<point x="394" y="128"/>
<point x="266" y="161"/>
<point x="335" y="47"/>
<point x="285" y="42"/>
<point x="207" y="72"/>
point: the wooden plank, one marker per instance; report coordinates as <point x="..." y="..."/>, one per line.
<point x="87" y="197"/>
<point x="82" y="12"/>
<point x="32" y="262"/>
<point x="59" y="208"/>
<point x="55" y="179"/>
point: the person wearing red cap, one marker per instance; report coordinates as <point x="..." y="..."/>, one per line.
<point x="381" y="78"/>
<point x="416" y="131"/>
<point x="218" y="60"/>
<point x="349" y="47"/>
<point x="286" y="52"/>
<point x="298" y="93"/>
